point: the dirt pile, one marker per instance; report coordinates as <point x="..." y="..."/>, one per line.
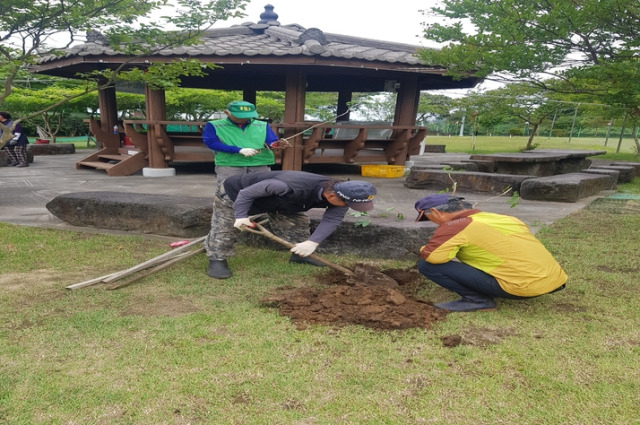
<point x="375" y="304"/>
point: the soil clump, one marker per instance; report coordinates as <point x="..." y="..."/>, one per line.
<point x="339" y="301"/>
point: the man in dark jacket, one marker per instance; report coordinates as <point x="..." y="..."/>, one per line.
<point x="284" y="196"/>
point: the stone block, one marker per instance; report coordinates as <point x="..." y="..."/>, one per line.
<point x="564" y="187"/>
<point x="613" y="174"/>
<point x="626" y="172"/>
<point x="52" y="149"/>
<point x="466" y="181"/>
<point x="383" y="238"/>
<point x="190" y="217"/>
<point x="484" y="166"/>
<point x="635" y="165"/>
<point x="462" y="166"/>
<point x="182" y="216"/>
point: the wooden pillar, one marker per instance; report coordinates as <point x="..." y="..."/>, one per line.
<point x="108" y="117"/>
<point x="405" y="114"/>
<point x="294" y="101"/>
<point x="155" y="111"/>
<point x="344" y="97"/>
<point x="249" y="95"/>
<point x="407" y="102"/>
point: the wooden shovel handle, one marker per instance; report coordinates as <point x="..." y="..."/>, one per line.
<point x="260" y="230"/>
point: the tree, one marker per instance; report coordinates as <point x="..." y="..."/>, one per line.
<point x="433" y="107"/>
<point x="29" y="28"/>
<point x="593" y="46"/>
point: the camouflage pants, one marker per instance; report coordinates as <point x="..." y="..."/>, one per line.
<point x="220" y="242"/>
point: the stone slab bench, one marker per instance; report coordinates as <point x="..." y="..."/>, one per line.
<point x="190" y="217"/>
<point x="466" y="181"/>
<point x="52" y="149"/>
<point x="614" y="175"/>
<point x="564" y="187"/>
<point x="483" y="165"/>
<point x="462" y="165"/>
<point x="626" y="173"/>
<point x="635" y="165"/>
<point x="157" y="214"/>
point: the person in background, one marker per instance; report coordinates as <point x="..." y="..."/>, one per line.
<point x="17" y="146"/>
<point x="497" y="255"/>
<point x="285" y="196"/>
<point x="241" y="143"/>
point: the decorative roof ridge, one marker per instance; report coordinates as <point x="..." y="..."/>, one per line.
<point x="243" y="29"/>
<point x="369" y="42"/>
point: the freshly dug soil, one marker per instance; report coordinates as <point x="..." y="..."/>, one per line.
<point x="374" y="303"/>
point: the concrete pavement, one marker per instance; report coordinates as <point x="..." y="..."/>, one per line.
<point x="24" y="192"/>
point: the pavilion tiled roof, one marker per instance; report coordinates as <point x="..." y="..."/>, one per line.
<point x="265" y="38"/>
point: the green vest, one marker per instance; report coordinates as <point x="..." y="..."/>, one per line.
<point x="253" y="136"/>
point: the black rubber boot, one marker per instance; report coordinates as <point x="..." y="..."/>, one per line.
<point x="218" y="269"/>
<point x="295" y="258"/>
<point x="469" y="304"/>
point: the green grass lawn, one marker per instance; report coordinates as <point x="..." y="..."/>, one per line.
<point x="492" y="144"/>
<point x="180" y="348"/>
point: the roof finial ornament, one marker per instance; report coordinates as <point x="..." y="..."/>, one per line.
<point x="268" y="15"/>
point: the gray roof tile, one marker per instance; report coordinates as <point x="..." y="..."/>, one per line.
<point x="270" y="39"/>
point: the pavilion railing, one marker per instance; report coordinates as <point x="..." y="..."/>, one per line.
<point x="308" y="142"/>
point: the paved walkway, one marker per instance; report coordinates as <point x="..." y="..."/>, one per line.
<point x="24" y="192"/>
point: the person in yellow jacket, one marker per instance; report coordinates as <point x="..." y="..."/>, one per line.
<point x="497" y="256"/>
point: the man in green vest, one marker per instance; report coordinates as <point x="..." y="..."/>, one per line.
<point x="241" y="143"/>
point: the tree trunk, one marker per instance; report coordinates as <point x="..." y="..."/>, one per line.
<point x="534" y="129"/>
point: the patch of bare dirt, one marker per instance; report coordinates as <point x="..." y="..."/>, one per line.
<point x="165" y="307"/>
<point x="480" y="336"/>
<point x="369" y="300"/>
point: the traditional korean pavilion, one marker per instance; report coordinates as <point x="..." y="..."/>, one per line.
<point x="265" y="56"/>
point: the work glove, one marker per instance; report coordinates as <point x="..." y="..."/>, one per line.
<point x="304" y="249"/>
<point x="241" y="222"/>
<point x="275" y="145"/>
<point x="13" y="142"/>
<point x="248" y="152"/>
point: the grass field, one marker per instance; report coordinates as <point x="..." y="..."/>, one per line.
<point x="179" y="348"/>
<point x="488" y="144"/>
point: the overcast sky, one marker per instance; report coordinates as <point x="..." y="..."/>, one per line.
<point x="397" y="21"/>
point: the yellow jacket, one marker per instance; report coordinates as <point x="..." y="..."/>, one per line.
<point x="499" y="245"/>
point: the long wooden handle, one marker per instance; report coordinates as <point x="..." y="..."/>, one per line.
<point x="260" y="230"/>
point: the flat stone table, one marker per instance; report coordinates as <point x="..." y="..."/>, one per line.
<point x="539" y="162"/>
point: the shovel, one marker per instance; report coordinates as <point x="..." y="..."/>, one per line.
<point x="367" y="277"/>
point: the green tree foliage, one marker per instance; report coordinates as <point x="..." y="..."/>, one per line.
<point x="592" y="46"/>
<point x="30" y="28"/>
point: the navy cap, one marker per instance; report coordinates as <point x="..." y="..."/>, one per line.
<point x="241" y="109"/>
<point x="424" y="204"/>
<point x="358" y="195"/>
